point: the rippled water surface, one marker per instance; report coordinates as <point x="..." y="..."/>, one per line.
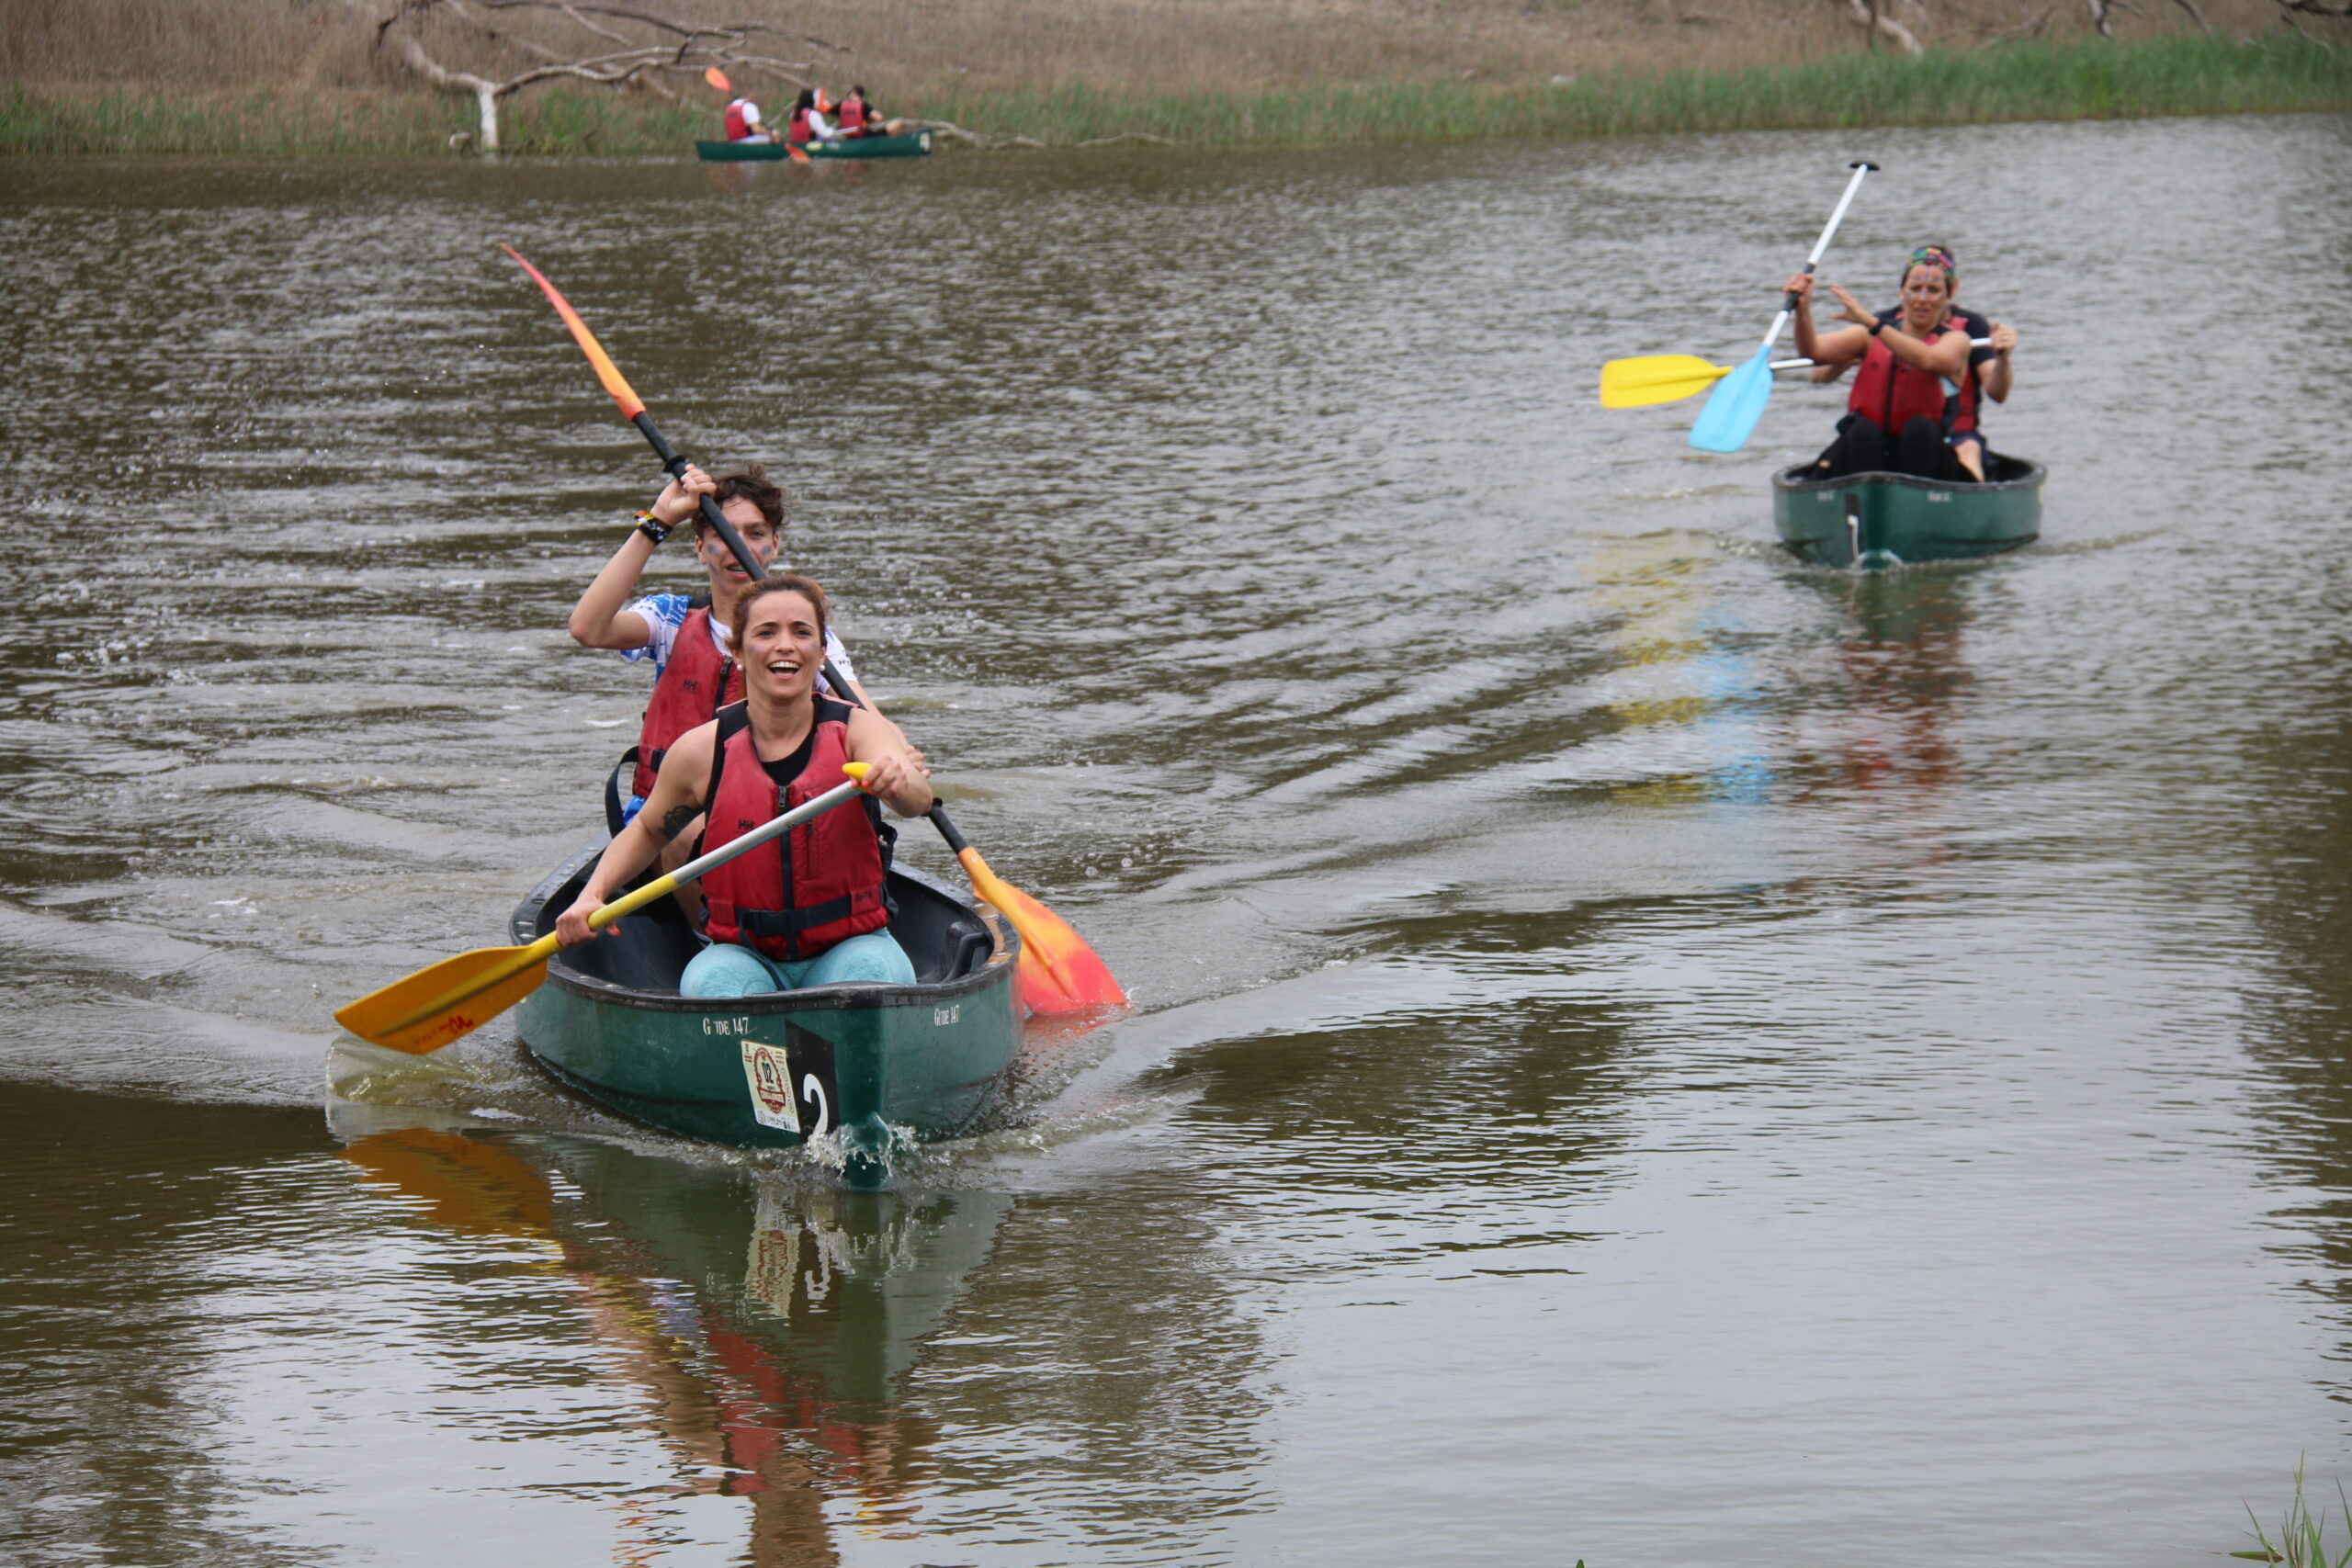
<point x="1646" y="1051"/>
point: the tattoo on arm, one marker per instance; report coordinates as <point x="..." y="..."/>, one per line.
<point x="675" y="823"/>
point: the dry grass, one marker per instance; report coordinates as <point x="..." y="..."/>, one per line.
<point x="280" y="74"/>
<point x="905" y="48"/>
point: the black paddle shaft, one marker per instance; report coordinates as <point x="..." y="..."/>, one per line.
<point x="734" y="541"/>
<point x="710" y="512"/>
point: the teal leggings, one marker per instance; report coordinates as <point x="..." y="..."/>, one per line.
<point x="722" y="969"/>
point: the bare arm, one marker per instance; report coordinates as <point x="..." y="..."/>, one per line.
<point x="599" y="620"/>
<point x="894" y="773"/>
<point x="1995" y="373"/>
<point x="1947" y="356"/>
<point x="1825" y="349"/>
<point x="675" y="801"/>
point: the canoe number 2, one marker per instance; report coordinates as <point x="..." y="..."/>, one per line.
<point x="791" y="1084"/>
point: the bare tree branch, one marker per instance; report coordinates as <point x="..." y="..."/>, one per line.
<point x="2029" y="28"/>
<point x="678" y="47"/>
<point x="1864" y="14"/>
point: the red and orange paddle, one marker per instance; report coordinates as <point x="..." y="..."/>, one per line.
<point x="1059" y="973"/>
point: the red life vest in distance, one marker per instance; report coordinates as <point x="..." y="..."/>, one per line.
<point x="795" y="129"/>
<point x="854" y="117"/>
<point x="738" y="124"/>
<point x="822" y="883"/>
<point x="696" y="684"/>
<point x="1893" y="394"/>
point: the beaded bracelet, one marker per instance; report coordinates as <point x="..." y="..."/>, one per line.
<point x="652" y="527"/>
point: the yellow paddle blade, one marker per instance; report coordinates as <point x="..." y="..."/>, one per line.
<point x="1059" y="972"/>
<point x="449" y="1000"/>
<point x="469" y="1186"/>
<point x="1658" y="379"/>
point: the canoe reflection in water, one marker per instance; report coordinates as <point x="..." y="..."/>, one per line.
<point x="767" y="1327"/>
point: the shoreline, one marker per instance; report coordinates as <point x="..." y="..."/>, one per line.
<point x="2173" y="75"/>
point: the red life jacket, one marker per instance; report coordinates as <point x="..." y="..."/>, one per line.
<point x="822" y="883"/>
<point x="696" y="684"/>
<point x="738" y="125"/>
<point x="854" y="117"/>
<point x="795" y="129"/>
<point x="1894" y="393"/>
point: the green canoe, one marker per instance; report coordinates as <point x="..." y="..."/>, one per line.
<point x="1880" y="520"/>
<point x="913" y="144"/>
<point x="870" y="1063"/>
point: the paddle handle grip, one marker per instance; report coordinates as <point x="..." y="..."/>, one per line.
<point x="676" y="465"/>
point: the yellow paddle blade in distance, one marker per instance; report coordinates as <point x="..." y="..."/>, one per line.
<point x="1658" y="379"/>
<point x="1059" y="972"/>
<point x="454" y="997"/>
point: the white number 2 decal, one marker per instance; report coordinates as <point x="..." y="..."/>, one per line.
<point x="814" y="1090"/>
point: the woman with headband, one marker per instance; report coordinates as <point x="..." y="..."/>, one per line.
<point x="1988" y="362"/>
<point x="1916" y="384"/>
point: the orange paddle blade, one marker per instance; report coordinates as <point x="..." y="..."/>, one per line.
<point x="606" y="371"/>
<point x="1059" y="972"/>
<point x="717" y="79"/>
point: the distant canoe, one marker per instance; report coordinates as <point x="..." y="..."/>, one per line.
<point x="913" y="144"/>
<point x="1893" y="519"/>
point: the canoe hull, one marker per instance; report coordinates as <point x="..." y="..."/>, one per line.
<point x="871" y="1063"/>
<point x="1895" y="519"/>
<point x="914" y="144"/>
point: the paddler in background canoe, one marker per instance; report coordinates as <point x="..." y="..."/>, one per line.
<point x="858" y="119"/>
<point x="1914" y="380"/>
<point x="743" y="123"/>
<point x="809" y="909"/>
<point x="809" y="122"/>
<point x="688" y="638"/>
<point x="1989" y="366"/>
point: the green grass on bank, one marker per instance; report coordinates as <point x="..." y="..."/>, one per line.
<point x="2178" y="75"/>
<point x="2182" y="74"/>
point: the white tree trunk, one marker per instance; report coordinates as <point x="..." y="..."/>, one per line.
<point x="486" y="96"/>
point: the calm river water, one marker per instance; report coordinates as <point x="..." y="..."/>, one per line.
<point x="1645" y="1052"/>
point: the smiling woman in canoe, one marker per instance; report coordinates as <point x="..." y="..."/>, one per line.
<point x="1915" y="380"/>
<point x="806" y="910"/>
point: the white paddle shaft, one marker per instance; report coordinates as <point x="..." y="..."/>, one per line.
<point x="1789" y="301"/>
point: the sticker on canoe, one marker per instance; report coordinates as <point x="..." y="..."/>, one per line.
<point x="768" y="1070"/>
<point x="792" y="1084"/>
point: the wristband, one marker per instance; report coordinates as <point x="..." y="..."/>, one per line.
<point x="1877" y="327"/>
<point x="653" y="528"/>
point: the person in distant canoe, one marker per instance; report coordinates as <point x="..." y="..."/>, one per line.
<point x="858" y="117"/>
<point x="809" y="910"/>
<point x="1915" y="380"/>
<point x="1989" y="371"/>
<point x="743" y="123"/>
<point x="689" y="639"/>
<point x="809" y="122"/>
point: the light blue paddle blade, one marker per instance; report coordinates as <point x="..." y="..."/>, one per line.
<point x="1734" y="406"/>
